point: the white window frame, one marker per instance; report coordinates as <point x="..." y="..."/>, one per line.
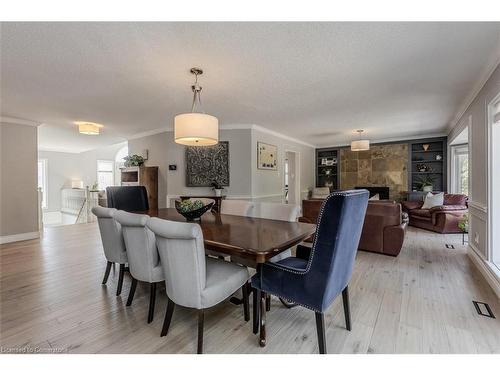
<point x="45" y="187"/>
<point x="492" y="240"/>
<point x="457" y="150"/>
<point x="98" y="171"/>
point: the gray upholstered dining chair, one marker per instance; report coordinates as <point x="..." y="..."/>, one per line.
<point x="112" y="243"/>
<point x="192" y="279"/>
<point x="143" y="259"/>
<point x="236" y="207"/>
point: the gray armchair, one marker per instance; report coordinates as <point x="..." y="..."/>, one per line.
<point x="143" y="258"/>
<point x="192" y="279"/>
<point x="112" y="243"/>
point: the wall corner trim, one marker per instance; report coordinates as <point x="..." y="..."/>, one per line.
<point x="19" y="237"/>
<point x="492" y="277"/>
<point x="19" y="121"/>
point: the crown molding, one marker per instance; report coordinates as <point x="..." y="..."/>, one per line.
<point x="19" y="121"/>
<point x="395" y="139"/>
<point x="280" y="135"/>
<point x="483" y="78"/>
<point x="225" y="127"/>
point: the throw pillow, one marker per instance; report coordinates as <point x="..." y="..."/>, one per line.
<point x="376" y="197"/>
<point x="433" y="200"/>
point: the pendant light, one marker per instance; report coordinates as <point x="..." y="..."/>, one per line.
<point x="360" y="144"/>
<point x="196" y="128"/>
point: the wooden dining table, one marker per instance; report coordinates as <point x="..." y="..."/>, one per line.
<point x="245" y="240"/>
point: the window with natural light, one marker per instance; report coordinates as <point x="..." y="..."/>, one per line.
<point x="460" y="169"/>
<point x="42" y="180"/>
<point x="105" y="173"/>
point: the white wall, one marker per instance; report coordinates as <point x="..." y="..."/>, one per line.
<point x="476" y="114"/>
<point x="63" y="167"/>
<point x="246" y="181"/>
<point x="18" y="182"/>
<point x="268" y="185"/>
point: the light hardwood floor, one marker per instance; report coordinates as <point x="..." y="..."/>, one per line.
<point x="419" y="302"/>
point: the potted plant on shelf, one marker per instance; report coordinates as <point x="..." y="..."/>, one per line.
<point x="133" y="160"/>
<point x="425" y="183"/>
<point x="217" y="188"/>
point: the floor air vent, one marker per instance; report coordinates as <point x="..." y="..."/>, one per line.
<point x="483" y="309"/>
<point x="448" y="246"/>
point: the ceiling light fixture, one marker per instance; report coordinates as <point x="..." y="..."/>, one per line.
<point x="360" y="144"/>
<point x="196" y="128"/>
<point x="88" y="128"/>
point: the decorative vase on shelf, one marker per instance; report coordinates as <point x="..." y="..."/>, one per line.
<point x="218" y="192"/>
<point x="425" y="146"/>
<point x="427" y="189"/>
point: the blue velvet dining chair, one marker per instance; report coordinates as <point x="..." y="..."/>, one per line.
<point x="315" y="277"/>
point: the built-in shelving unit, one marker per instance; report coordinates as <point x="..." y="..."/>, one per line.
<point x="428" y="159"/>
<point x="328" y="168"/>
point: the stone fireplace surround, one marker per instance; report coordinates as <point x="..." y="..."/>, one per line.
<point x="382" y="165"/>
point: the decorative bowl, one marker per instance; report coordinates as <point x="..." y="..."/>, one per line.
<point x="192" y="209"/>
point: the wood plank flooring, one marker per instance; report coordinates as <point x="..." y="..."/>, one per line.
<point x="420" y="302"/>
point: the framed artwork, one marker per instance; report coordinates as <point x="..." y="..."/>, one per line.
<point x="207" y="164"/>
<point x="267" y="156"/>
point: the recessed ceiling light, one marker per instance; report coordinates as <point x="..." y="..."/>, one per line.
<point x="88" y="128"/>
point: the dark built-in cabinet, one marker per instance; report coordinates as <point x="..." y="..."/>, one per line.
<point x="428" y="160"/>
<point x="328" y="168"/>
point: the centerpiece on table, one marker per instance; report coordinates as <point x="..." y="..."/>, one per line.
<point x="193" y="209"/>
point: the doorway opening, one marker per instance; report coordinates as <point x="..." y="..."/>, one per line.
<point x="291" y="180"/>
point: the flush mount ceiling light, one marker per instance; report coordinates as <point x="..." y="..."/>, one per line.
<point x="196" y="128"/>
<point x="360" y="144"/>
<point x="88" y="128"/>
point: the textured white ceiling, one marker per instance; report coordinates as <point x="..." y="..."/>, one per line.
<point x="317" y="82"/>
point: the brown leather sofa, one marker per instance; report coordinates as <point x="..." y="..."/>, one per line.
<point x="441" y="219"/>
<point x="384" y="228"/>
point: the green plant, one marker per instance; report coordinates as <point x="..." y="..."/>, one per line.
<point x="189" y="205"/>
<point x="215" y="185"/>
<point x="424" y="181"/>
<point x="463" y="224"/>
<point x="133" y="160"/>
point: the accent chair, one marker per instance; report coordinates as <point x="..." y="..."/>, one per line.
<point x="317" y="276"/>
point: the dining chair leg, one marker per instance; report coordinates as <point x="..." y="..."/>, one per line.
<point x="152" y="300"/>
<point x="106" y="273"/>
<point x="201" y="319"/>
<point x="347" y="310"/>
<point x="320" y="329"/>
<point x="262" y="320"/>
<point x="168" y="317"/>
<point x="246" y="305"/>
<point x="120" y="279"/>
<point x="268" y="302"/>
<point x="131" y="293"/>
<point x="256" y="310"/>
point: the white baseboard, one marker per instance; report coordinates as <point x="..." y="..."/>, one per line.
<point x="19" y="237"/>
<point x="486" y="269"/>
